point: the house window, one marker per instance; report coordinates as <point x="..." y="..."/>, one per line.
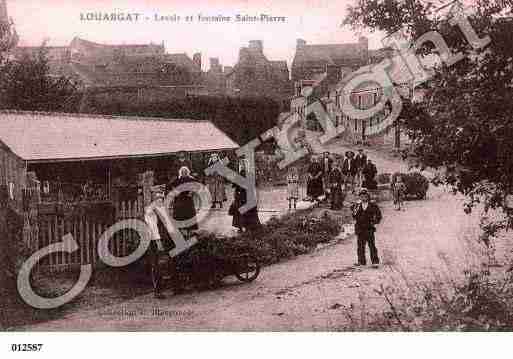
<point x="355" y="125"/>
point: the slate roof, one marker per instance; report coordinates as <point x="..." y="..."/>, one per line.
<point x="46" y="137"/>
<point x="332" y="54"/>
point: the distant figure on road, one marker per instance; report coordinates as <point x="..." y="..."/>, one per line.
<point x="361" y="162"/>
<point x="215" y="183"/>
<point x="314" y="188"/>
<point x="369" y="173"/>
<point x="337" y="183"/>
<point x="292" y="186"/>
<point x="367" y="215"/>
<point x="349" y="169"/>
<point x="246" y="221"/>
<point x="398" y="191"/>
<point x="327" y="165"/>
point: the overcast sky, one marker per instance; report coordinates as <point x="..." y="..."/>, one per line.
<point x="316" y="21"/>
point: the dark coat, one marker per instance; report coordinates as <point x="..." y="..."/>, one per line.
<point x="249" y="219"/>
<point x="366" y="219"/>
<point x="314" y="186"/>
<point x="349" y="167"/>
<point x="361" y="161"/>
<point x="183" y="205"/>
<point x="336" y="180"/>
<point x="369" y="173"/>
<point x="326" y="167"/>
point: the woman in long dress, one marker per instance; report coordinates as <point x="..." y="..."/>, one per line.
<point x="183" y="204"/>
<point x="336" y="180"/>
<point x="292" y="187"/>
<point x="314" y="185"/>
<point x="215" y="184"/>
<point x="248" y="220"/>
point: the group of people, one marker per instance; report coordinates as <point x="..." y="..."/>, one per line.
<point x="185" y="203"/>
<point x="330" y="179"/>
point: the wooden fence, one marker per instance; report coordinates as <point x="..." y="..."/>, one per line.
<point x="87" y="231"/>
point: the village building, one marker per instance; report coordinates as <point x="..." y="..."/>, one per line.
<point x="79" y="174"/>
<point x="255" y="75"/>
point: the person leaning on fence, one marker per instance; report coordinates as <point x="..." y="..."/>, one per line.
<point x="367" y="215"/>
<point x="292" y="186"/>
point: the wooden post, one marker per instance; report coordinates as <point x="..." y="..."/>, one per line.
<point x="148" y="181"/>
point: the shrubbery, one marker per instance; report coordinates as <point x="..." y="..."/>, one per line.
<point x="479" y="304"/>
<point x="416" y="184"/>
<point x="282" y="238"/>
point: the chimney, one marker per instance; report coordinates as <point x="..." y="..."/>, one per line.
<point x="300" y="43"/>
<point x="196" y="58"/>
<point x="244" y="54"/>
<point x="256" y="45"/>
<point x="214" y="64"/>
<point x="4" y="18"/>
<point x="333" y="73"/>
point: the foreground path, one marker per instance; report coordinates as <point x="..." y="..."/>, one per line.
<point x="310" y="291"/>
<point x="432" y="239"/>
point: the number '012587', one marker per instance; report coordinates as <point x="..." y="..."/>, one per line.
<point x="26" y="347"/>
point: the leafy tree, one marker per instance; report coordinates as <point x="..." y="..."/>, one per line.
<point x="243" y="119"/>
<point x="464" y="128"/>
<point x="28" y="85"/>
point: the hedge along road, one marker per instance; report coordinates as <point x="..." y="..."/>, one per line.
<point x="310" y="291"/>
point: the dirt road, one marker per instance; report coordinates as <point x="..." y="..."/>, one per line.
<point x="430" y="239"/>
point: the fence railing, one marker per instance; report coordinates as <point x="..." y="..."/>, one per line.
<point x="87" y="231"/>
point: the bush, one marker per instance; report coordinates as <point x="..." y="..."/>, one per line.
<point x="279" y="239"/>
<point x="416" y="184"/>
<point x="478" y="304"/>
<point x="384" y="178"/>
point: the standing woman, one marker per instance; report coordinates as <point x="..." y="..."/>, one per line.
<point x="292" y="186"/>
<point x="183" y="205"/>
<point x="215" y="184"/>
<point x="314" y="187"/>
<point x="337" y="181"/>
<point x="248" y="220"/>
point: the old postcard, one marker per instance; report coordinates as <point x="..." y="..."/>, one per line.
<point x="230" y="165"/>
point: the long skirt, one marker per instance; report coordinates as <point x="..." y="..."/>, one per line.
<point x="337" y="198"/>
<point x="314" y="188"/>
<point x="216" y="188"/>
<point x="184" y="210"/>
<point x="293" y="190"/>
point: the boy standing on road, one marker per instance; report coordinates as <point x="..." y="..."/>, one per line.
<point x="367" y="214"/>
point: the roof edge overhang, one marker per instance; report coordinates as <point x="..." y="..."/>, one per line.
<point x="106" y="158"/>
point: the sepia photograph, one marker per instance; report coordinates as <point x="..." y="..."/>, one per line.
<point x="233" y="166"/>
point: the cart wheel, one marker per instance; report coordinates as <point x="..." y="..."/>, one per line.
<point x="248" y="269"/>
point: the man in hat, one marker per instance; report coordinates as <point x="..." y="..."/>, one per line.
<point x="367" y="215"/>
<point x="361" y="162"/>
<point x="327" y="165"/>
<point x="349" y="169"/>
